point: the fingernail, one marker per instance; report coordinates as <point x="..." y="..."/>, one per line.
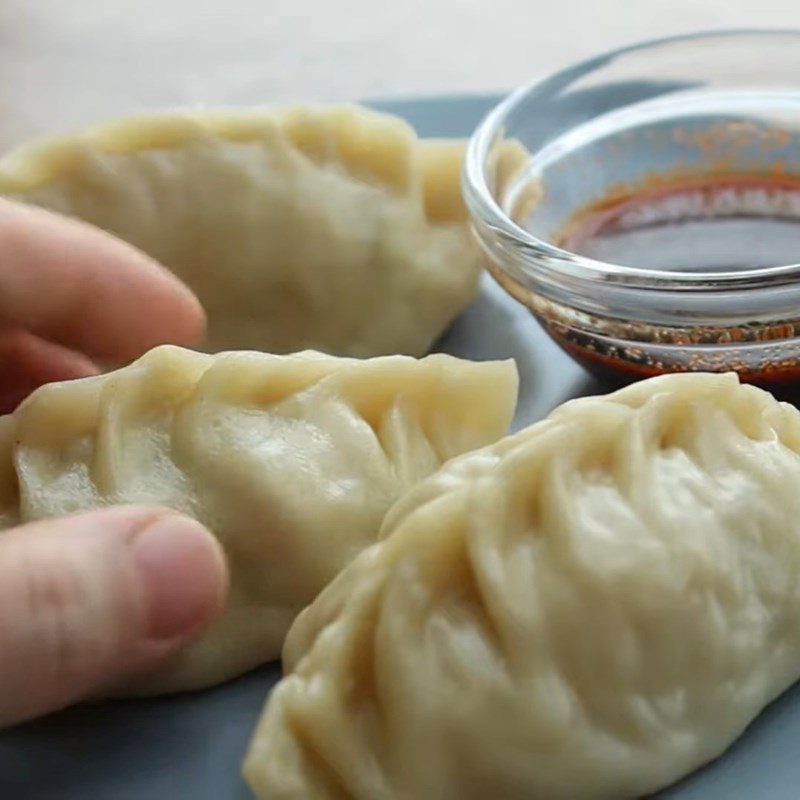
<point x="183" y="576"/>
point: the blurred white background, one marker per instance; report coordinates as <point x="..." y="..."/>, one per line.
<point x="67" y="62"/>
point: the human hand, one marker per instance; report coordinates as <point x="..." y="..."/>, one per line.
<point x="71" y="294"/>
<point x="88" y="600"/>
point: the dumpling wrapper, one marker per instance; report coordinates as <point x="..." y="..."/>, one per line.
<point x="325" y="227"/>
<point x="291" y="461"/>
<point x="586" y="610"/>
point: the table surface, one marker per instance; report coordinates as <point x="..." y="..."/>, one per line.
<point x="64" y="63"/>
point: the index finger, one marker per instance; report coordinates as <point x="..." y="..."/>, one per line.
<point x="76" y="285"/>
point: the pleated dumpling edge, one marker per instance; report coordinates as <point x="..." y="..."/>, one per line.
<point x="325" y="227"/>
<point x="291" y="461"/>
<point x="588" y="609"/>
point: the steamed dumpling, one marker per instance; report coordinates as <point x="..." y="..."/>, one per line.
<point x="332" y="228"/>
<point x="587" y="610"/>
<point x="291" y="461"/>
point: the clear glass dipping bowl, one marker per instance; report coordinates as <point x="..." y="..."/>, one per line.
<point x="645" y="205"/>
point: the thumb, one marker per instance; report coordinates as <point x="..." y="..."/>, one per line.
<point x="88" y="600"/>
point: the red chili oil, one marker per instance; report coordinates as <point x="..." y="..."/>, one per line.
<point x="780" y="378"/>
<point x="684" y="222"/>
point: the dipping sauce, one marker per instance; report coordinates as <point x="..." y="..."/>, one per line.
<point x="620" y="366"/>
<point x="711" y="223"/>
<point x="708" y="223"/>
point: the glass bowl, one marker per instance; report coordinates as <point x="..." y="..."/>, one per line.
<point x="651" y="220"/>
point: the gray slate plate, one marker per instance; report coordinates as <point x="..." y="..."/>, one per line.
<point x="190" y="747"/>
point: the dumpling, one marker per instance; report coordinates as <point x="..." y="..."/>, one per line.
<point x="587" y="610"/>
<point x="291" y="461"/>
<point x="332" y="228"/>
